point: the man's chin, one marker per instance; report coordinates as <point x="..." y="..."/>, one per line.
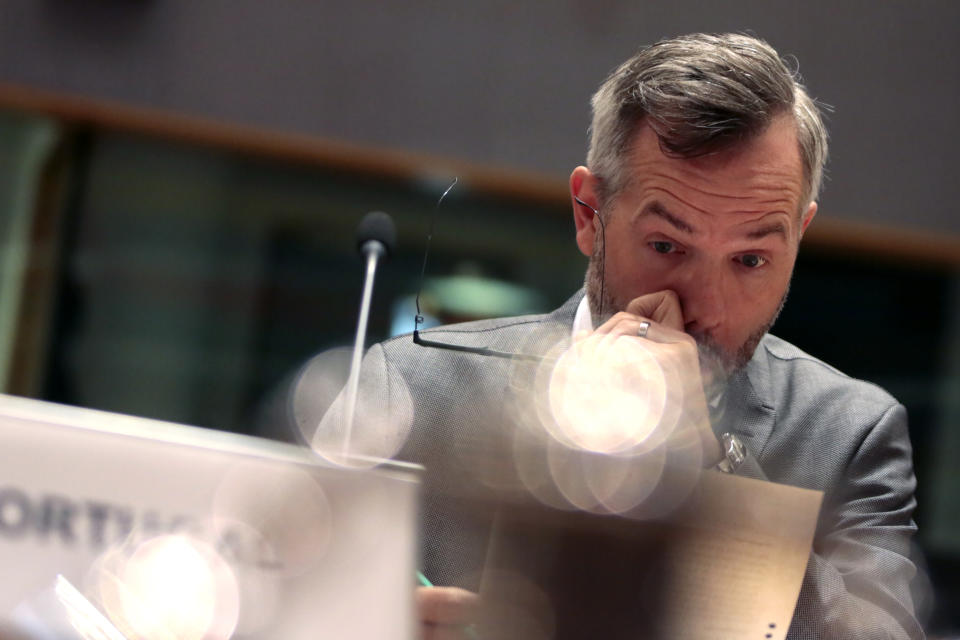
<point x="718" y="365"/>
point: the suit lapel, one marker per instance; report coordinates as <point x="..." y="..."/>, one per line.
<point x="749" y="410"/>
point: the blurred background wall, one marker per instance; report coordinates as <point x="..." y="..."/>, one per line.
<point x="507" y="83"/>
<point x="180" y="180"/>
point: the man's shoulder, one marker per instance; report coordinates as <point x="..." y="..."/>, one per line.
<point x="796" y="376"/>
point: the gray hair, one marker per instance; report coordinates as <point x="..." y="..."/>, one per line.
<point x="701" y="93"/>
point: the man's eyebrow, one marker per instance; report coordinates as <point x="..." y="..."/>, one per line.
<point x="657" y="209"/>
<point x="774" y="228"/>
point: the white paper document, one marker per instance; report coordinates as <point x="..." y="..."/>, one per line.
<point x="736" y="571"/>
<point x="727" y="564"/>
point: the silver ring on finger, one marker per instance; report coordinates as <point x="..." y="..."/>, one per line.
<point x="643" y="328"/>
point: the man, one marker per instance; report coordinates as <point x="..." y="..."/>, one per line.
<point x="705" y="161"/>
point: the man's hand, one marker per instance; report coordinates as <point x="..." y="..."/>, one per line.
<point x="674" y="350"/>
<point x="446" y="612"/>
<point x="662" y="307"/>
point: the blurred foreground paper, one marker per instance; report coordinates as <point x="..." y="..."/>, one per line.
<point x="727" y="565"/>
<point x="172" y="531"/>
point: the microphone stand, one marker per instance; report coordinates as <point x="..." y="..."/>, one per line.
<point x="373" y="250"/>
<point x="376" y="238"/>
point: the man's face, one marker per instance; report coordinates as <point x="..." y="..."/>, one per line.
<point x="721" y="231"/>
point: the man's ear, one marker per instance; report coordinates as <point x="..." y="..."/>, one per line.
<point x="807" y="218"/>
<point x="583" y="185"/>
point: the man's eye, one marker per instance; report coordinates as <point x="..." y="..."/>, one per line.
<point x="752" y="260"/>
<point x="661" y="246"/>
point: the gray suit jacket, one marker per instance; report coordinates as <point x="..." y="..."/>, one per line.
<point x="803" y="422"/>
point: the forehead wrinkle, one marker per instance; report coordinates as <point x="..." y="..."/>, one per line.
<point x="759" y="230"/>
<point x="656" y="207"/>
<point x="771" y="160"/>
<point x="770" y="189"/>
<point x="774" y="201"/>
<point x="767" y="208"/>
<point x="782" y="203"/>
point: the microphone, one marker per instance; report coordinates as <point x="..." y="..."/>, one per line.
<point x="376" y="233"/>
<point x="376" y="239"/>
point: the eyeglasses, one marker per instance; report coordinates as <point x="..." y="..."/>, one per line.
<point x="484" y="351"/>
<point x="418" y="318"/>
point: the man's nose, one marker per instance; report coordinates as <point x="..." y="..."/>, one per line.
<point x="704" y="298"/>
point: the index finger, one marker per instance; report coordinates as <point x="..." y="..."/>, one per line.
<point x="446" y="605"/>
<point x="661" y="306"/>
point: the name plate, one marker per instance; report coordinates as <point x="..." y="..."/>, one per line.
<point x="151" y="529"/>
